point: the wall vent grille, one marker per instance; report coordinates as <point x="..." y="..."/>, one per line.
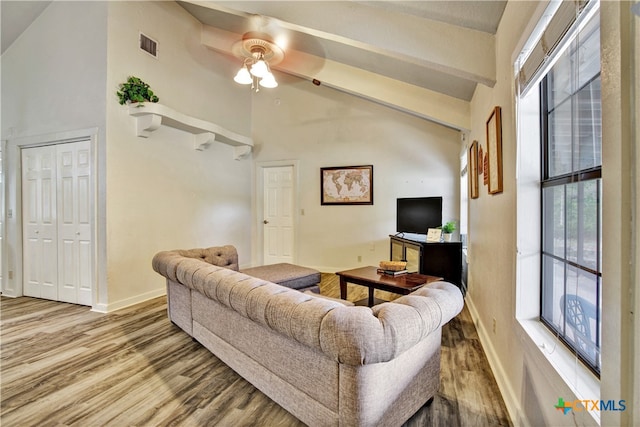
<point x="149" y="45"/>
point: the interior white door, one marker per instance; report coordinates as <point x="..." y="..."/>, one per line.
<point x="278" y="191"/>
<point x="74" y="222"/>
<point x="57" y="250"/>
<point x="40" y="252"/>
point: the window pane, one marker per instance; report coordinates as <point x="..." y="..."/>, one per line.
<point x="560" y="140"/>
<point x="553" y="220"/>
<point x="589" y="53"/>
<point x="589" y="127"/>
<point x="552" y="291"/>
<point x="572" y="207"/>
<point x="582" y="313"/>
<point x="589" y="253"/>
<point x="559" y="87"/>
<point x="571" y="221"/>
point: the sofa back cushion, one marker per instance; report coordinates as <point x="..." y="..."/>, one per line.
<point x="221" y="256"/>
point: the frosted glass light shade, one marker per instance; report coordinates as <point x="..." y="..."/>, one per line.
<point x="269" y="81"/>
<point x="259" y="69"/>
<point x="243" y="77"/>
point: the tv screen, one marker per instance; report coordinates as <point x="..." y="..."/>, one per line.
<point x="418" y="214"/>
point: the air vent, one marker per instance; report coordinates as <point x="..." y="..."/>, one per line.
<point x="149" y="45"/>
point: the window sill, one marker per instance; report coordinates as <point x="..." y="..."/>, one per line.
<point x="545" y="349"/>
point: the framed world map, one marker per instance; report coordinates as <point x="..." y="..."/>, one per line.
<point x="346" y="185"/>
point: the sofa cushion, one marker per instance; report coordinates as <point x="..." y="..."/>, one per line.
<point x="284" y="274"/>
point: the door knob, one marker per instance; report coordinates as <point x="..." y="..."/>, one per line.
<point x="265" y="221"/>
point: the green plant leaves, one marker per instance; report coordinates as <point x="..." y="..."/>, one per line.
<point x="135" y="90"/>
<point x="449" y="227"/>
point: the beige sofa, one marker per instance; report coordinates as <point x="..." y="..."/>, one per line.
<point x="324" y="362"/>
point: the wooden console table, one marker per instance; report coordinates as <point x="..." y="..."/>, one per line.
<point x="438" y="259"/>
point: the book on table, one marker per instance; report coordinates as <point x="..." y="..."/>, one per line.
<point x="392" y="272"/>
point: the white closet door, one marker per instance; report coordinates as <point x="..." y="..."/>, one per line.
<point x="39" y="222"/>
<point x="74" y="222"/>
<point x="57" y="195"/>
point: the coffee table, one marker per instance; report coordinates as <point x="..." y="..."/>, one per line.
<point x="368" y="276"/>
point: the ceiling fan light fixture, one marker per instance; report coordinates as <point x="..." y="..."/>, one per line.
<point x="258" y="52"/>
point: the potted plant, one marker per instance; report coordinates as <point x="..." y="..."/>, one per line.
<point x="135" y="90"/>
<point x="447" y="230"/>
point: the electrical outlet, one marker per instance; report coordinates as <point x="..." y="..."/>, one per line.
<point x="494" y="325"/>
<point x="10" y="275"/>
<point x="359" y="258"/>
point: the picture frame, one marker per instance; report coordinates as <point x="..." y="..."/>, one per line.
<point x="473" y="170"/>
<point x="346" y="185"/>
<point x="434" y="235"/>
<point x="494" y="151"/>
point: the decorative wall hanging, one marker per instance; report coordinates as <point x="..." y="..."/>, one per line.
<point x="346" y="185"/>
<point x="485" y="162"/>
<point x="494" y="150"/>
<point x="473" y="170"/>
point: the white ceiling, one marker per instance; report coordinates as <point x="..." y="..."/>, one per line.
<point x="423" y="57"/>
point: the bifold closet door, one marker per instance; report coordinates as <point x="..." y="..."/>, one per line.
<point x="74" y="222"/>
<point x="39" y="222"/>
<point x="56" y="194"/>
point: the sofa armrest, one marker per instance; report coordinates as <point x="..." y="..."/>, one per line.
<point x="359" y="335"/>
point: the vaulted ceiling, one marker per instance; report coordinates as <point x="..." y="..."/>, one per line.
<point x="423" y="57"/>
<point x="16" y="17"/>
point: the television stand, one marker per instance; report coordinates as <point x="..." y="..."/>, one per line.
<point x="442" y="259"/>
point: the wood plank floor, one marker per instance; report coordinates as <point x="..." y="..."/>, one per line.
<point x="62" y="364"/>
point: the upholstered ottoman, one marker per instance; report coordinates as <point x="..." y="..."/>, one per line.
<point x="289" y="275"/>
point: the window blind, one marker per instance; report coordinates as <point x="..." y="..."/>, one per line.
<point x="564" y="18"/>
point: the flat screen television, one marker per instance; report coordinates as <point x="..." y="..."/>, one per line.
<point x="418" y="214"/>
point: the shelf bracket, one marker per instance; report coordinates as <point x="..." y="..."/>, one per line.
<point x="241" y="152"/>
<point x="202" y="141"/>
<point x="146" y="124"/>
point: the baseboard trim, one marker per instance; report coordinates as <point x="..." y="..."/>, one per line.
<point x="117" y="305"/>
<point x="511" y="401"/>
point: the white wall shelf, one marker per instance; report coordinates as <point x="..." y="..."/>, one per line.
<point x="150" y="116"/>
